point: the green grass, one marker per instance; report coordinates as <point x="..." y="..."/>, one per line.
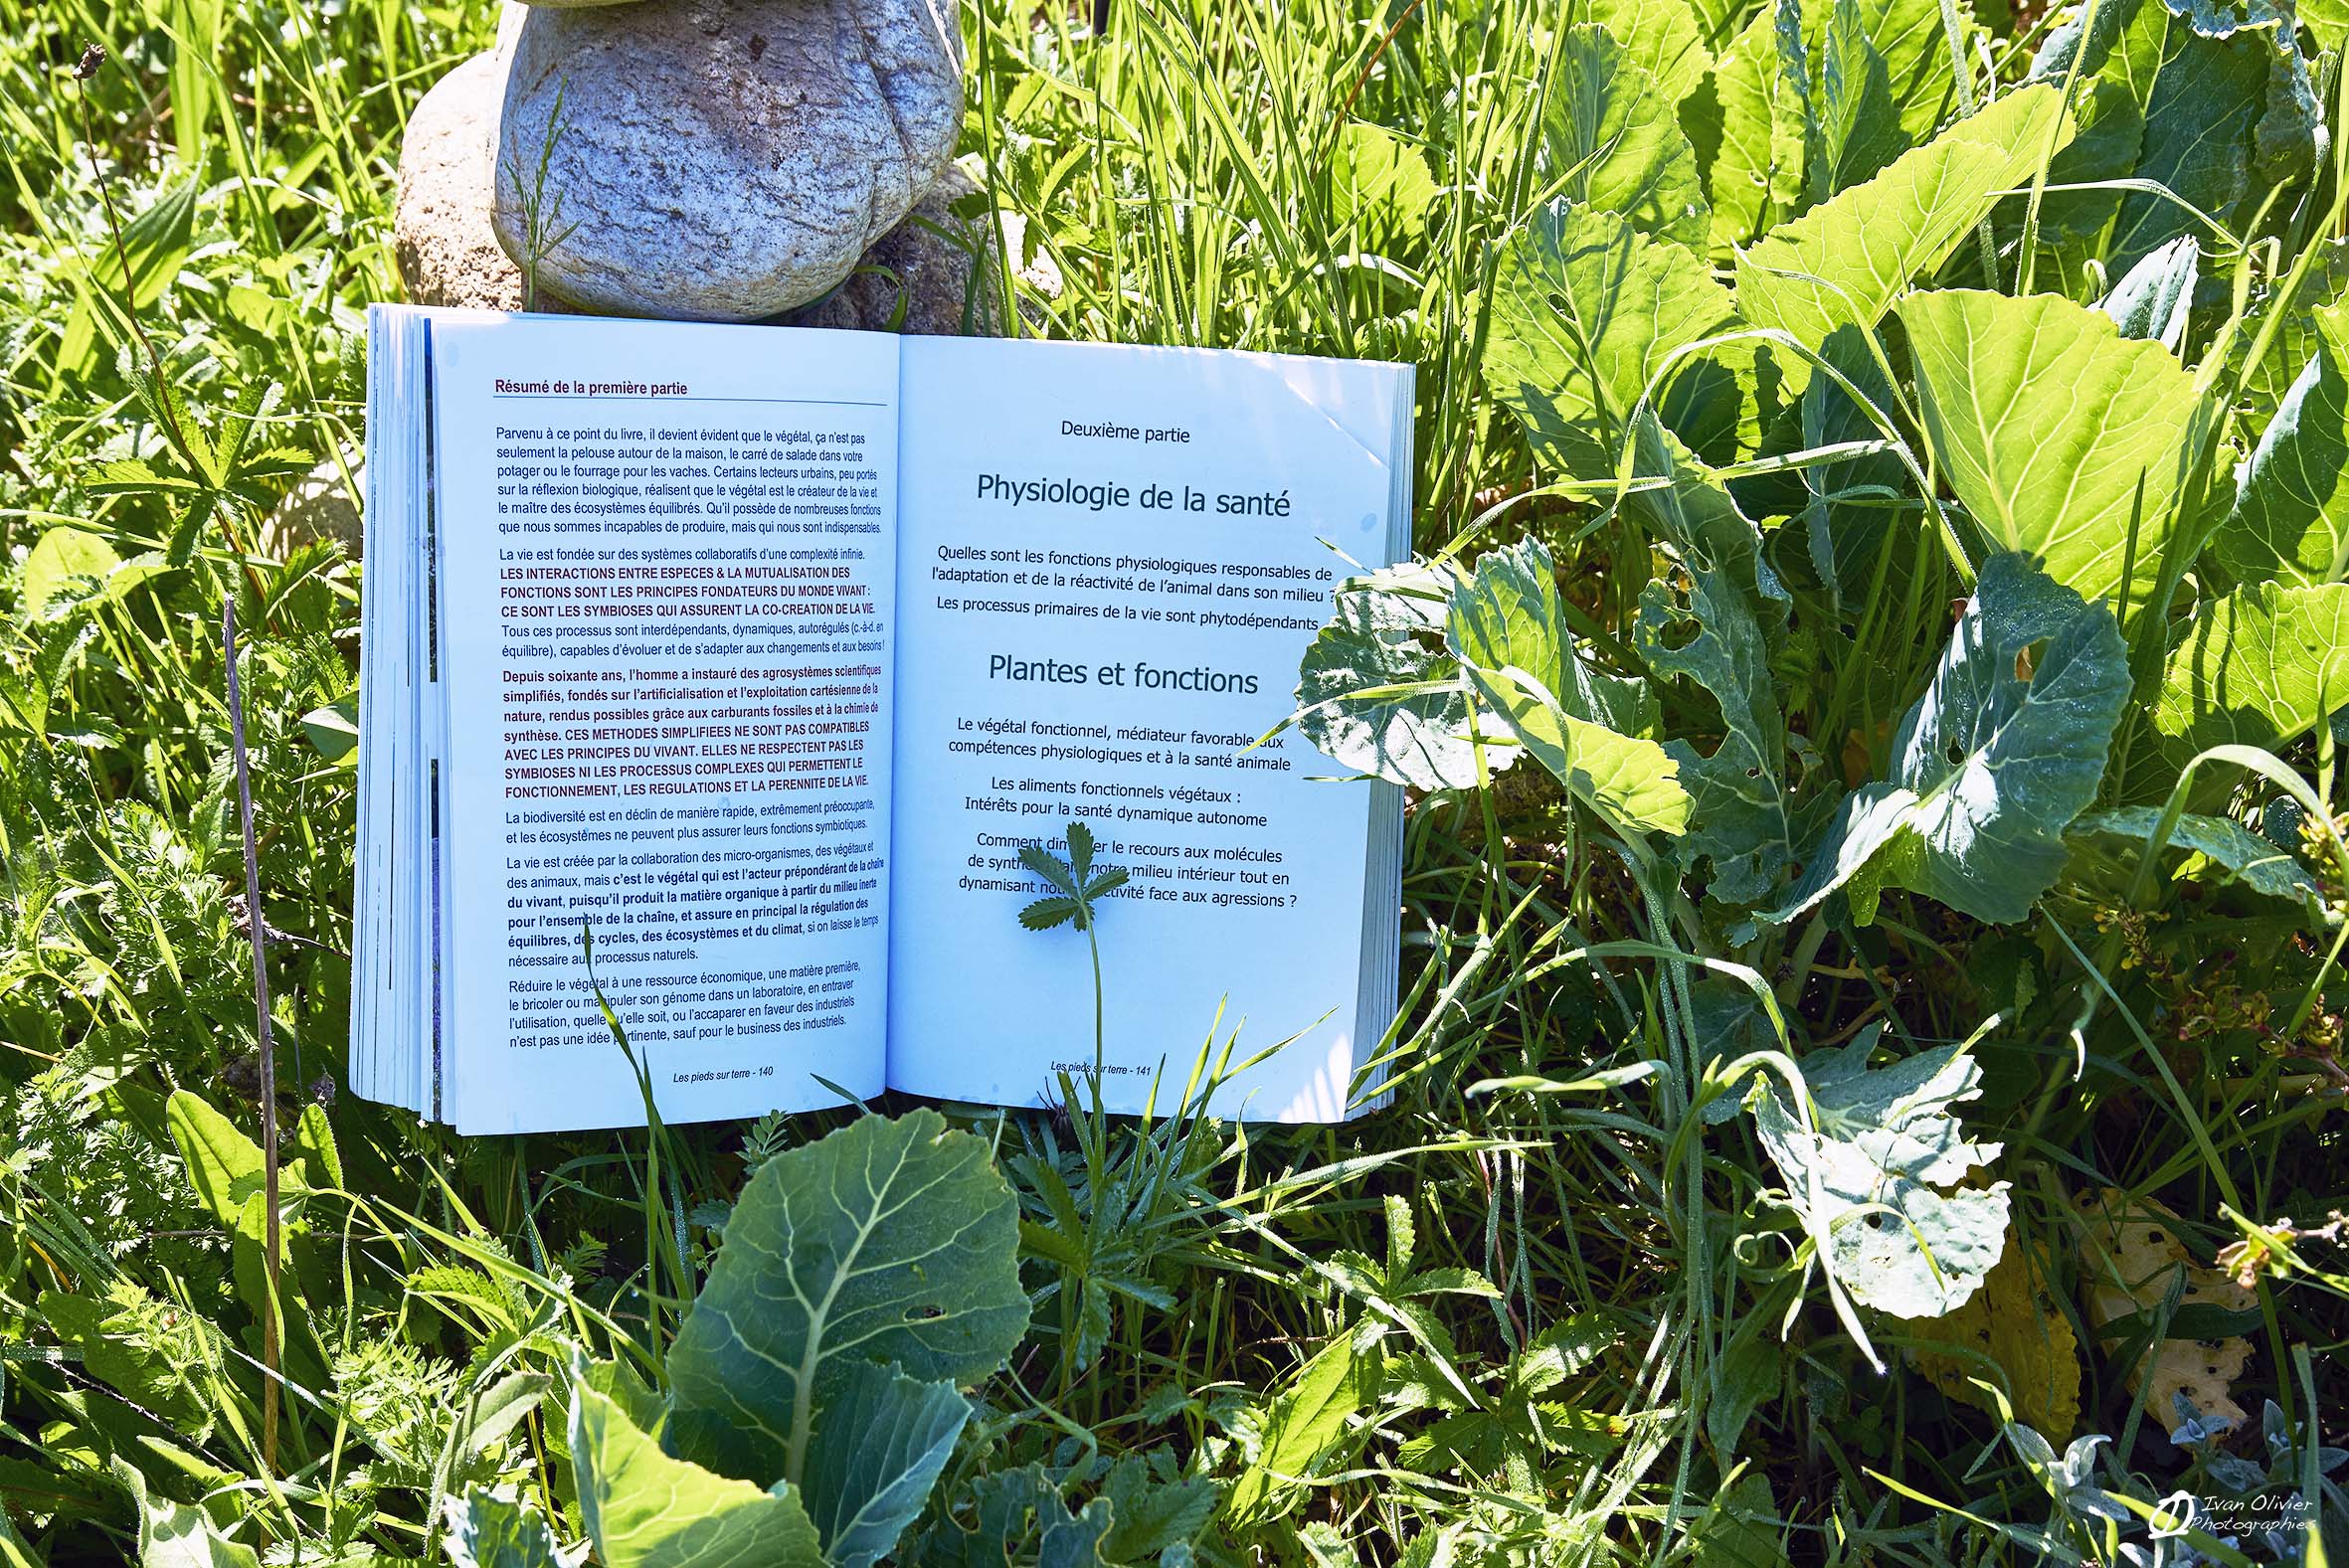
<point x="1584" y="1327"/>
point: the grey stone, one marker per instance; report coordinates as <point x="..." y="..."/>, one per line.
<point x="318" y="506"/>
<point x="920" y="277"/>
<point x="442" y="238"/>
<point x="720" y="160"/>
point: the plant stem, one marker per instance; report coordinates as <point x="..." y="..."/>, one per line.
<point x="258" y="926"/>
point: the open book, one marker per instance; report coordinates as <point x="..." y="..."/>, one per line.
<point x="754" y="656"/>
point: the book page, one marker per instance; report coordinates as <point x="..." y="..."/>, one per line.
<point x="668" y="575"/>
<point x="1110" y="560"/>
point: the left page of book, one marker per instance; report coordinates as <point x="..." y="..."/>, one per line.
<point x="665" y="573"/>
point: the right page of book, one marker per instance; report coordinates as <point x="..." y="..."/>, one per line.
<point x="1110" y="560"/>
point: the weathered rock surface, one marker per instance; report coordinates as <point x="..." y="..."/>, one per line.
<point x="722" y="160"/>
<point x="924" y="275"/>
<point x="442" y="238"/>
<point x="319" y="506"/>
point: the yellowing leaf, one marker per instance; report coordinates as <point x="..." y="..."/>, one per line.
<point x="2028" y="1342"/>
<point x="2130" y="1258"/>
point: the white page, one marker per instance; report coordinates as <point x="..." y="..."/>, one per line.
<point x="981" y="1009"/>
<point x="668" y="715"/>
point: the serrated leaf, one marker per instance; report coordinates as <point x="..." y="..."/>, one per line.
<point x="1301" y="1422"/>
<point x="2290" y="519"/>
<point x="1373" y="694"/>
<point x="1586" y="309"/>
<point x="1846" y="261"/>
<point x="1874" y="1179"/>
<point x="2063" y="440"/>
<point x="2012" y="1324"/>
<point x="1991" y="765"/>
<point x="880" y="1443"/>
<point x="1610" y="133"/>
<point x="644" y="1509"/>
<point x="1152" y="1513"/>
<point x="1380" y="184"/>
<point x="1049" y="866"/>
<point x="2242" y="854"/>
<point x="892" y="1240"/>
<point x="2261" y="666"/>
<point x="1507" y="629"/>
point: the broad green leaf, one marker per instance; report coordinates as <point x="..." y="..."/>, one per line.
<point x="647" y="1509"/>
<point x="1913" y="39"/>
<point x="1740" y="817"/>
<point x="880" y="1442"/>
<point x="1018" y="1517"/>
<point x="496" y="1529"/>
<point x="1508" y="630"/>
<point x="1155" y="1508"/>
<point x="161" y="1359"/>
<point x="1847" y="259"/>
<point x="1756" y="178"/>
<point x="2153" y="302"/>
<point x="56" y="560"/>
<point x="1614" y="137"/>
<point x="2117" y="66"/>
<point x="155" y="245"/>
<point x="1741" y="1527"/>
<point x="2290" y="520"/>
<point x="171" y="1536"/>
<point x="334" y="729"/>
<point x="1380" y="186"/>
<point x="889" y="1241"/>
<point x="1586" y="311"/>
<point x="2229" y="118"/>
<point x="1377" y="694"/>
<point x="2316" y="313"/>
<point x="1874" y="1177"/>
<point x="1300" y="1423"/>
<point x="1858" y="128"/>
<point x="2063" y="440"/>
<point x="2261" y="666"/>
<point x="224" y="1165"/>
<point x="1993" y="763"/>
<point x="2237" y="852"/>
<point x="1663" y="38"/>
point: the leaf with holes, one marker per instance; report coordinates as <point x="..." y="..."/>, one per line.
<point x="1377" y="691"/>
<point x="1991" y="765"/>
<point x="1874" y="1175"/>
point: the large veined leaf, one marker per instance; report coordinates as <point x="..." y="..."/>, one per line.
<point x="647" y="1509"/>
<point x="889" y="1241"/>
<point x="2063" y="440"/>
<point x="2116" y="67"/>
<point x="881" y="1441"/>
<point x="1661" y="37"/>
<point x="2302" y="330"/>
<point x="1858" y="130"/>
<point x="2240" y="854"/>
<point x="1875" y="1177"/>
<point x="1845" y="261"/>
<point x="1507" y="629"/>
<point x="2261" y="666"/>
<point x="1740" y="817"/>
<point x="173" y="1536"/>
<point x="1611" y="133"/>
<point x="2290" y="520"/>
<point x="1586" y="311"/>
<point x="1993" y="763"/>
<point x="1757" y="176"/>
<point x="1374" y="692"/>
<point x="1380" y="186"/>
